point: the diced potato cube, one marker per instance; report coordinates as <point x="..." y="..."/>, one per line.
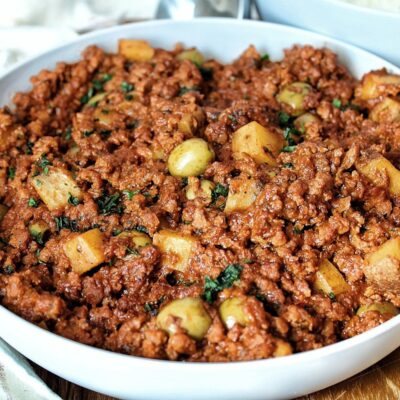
<point x="293" y="96"/>
<point x="391" y="248"/>
<point x="135" y="50"/>
<point x="85" y="251"/>
<point x="374" y="84"/>
<point x="193" y="55"/>
<point x="374" y="168"/>
<point x="282" y="348"/>
<point x="242" y="194"/>
<point x="258" y="142"/>
<point x="388" y="110"/>
<point x="3" y="211"/>
<point x="383" y="308"/>
<point x="329" y="280"/>
<point x="139" y="239"/>
<point x="56" y="187"/>
<point x="176" y="247"/>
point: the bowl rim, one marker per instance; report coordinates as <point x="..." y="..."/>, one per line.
<point x="297" y="358"/>
<point x="364" y="9"/>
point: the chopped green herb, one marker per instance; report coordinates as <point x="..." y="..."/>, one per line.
<point x="9" y="269"/>
<point x="116" y="232"/>
<point x="105" y="133"/>
<point x="224" y="280"/>
<point x="284" y="118"/>
<point x="130" y="193"/>
<point x="11" y="173"/>
<point x="39" y="238"/>
<point x="38" y="182"/>
<point x="332" y="296"/>
<point x="265" y="57"/>
<point x="297" y="230"/>
<point x="141" y="228"/>
<point x="33" y="202"/>
<point x="98" y="85"/>
<point x="68" y="133"/>
<point x="219" y="190"/>
<point x="184" y="181"/>
<point x="288" y="149"/>
<point x="288" y="135"/>
<point x="206" y="73"/>
<point x="288" y="165"/>
<point x="73" y="200"/>
<point x="128" y="97"/>
<point x="183" y="90"/>
<point x="109" y="204"/>
<point x="131" y="251"/>
<point x="90" y="93"/>
<point x="153" y="306"/>
<point x="337" y="103"/>
<point x="44" y="163"/>
<point x="247" y="261"/>
<point x="132" y="124"/>
<point x="87" y="133"/>
<point x="126" y="87"/>
<point x="232" y="118"/>
<point x="64" y="222"/>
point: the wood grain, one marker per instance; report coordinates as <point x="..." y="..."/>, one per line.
<point x="379" y="382"/>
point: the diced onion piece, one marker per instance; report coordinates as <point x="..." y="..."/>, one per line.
<point x="56" y="187"/>
<point x="85" y="251"/>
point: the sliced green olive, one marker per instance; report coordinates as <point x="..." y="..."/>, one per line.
<point x="190" y="158"/>
<point x="232" y="311"/>
<point x="293" y="95"/>
<point x="188" y="313"/>
<point x="193" y="55"/>
<point x="383" y="308"/>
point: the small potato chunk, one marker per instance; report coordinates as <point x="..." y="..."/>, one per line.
<point x="192" y="55"/>
<point x="329" y="280"/>
<point x="383" y="308"/>
<point x="378" y="166"/>
<point x="187" y="313"/>
<point x="282" y="349"/>
<point x="176" y="247"/>
<point x="3" y="211"/>
<point x="383" y="266"/>
<point x="85" y="251"/>
<point x="135" y="50"/>
<point x="258" y="142"/>
<point x="232" y="311"/>
<point x="388" y="110"/>
<point x="190" y="158"/>
<point x="242" y="194"/>
<point x="139" y="239"/>
<point x="374" y="84"/>
<point x="293" y="95"/>
<point x="56" y="187"/>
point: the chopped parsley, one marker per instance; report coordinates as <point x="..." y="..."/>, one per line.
<point x="64" y="222"/>
<point x="29" y="148"/>
<point x="126" y="87"/>
<point x="224" y="280"/>
<point x="33" y="202"/>
<point x="131" y="251"/>
<point x="11" y="173"/>
<point x="128" y="97"/>
<point x="43" y="163"/>
<point x="105" y="133"/>
<point x="206" y="73"/>
<point x="297" y="230"/>
<point x="109" y="204"/>
<point x="68" y="133"/>
<point x="289" y="149"/>
<point x="219" y="190"/>
<point x="332" y="296"/>
<point x="337" y="103"/>
<point x="106" y="77"/>
<point x="9" y="269"/>
<point x="89" y="94"/>
<point x="116" y="232"/>
<point x="132" y="124"/>
<point x="183" y="90"/>
<point x="153" y="306"/>
<point x="98" y="85"/>
<point x="264" y="57"/>
<point x="142" y="229"/>
<point x="232" y="118"/>
<point x="288" y="165"/>
<point x="87" y="133"/>
<point x="38" y="238"/>
<point x="73" y="200"/>
<point x="284" y="118"/>
<point x="130" y="193"/>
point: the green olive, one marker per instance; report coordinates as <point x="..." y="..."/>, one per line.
<point x="383" y="308"/>
<point x="293" y="96"/>
<point x="301" y="123"/>
<point x="192" y="314"/>
<point x="206" y="188"/>
<point x="190" y="158"/>
<point x="232" y="311"/>
<point x="193" y="55"/>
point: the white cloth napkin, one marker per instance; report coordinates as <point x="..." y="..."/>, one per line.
<point x="18" y="381"/>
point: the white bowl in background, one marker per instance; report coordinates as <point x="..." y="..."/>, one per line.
<point x="130" y="377"/>
<point x="374" y="30"/>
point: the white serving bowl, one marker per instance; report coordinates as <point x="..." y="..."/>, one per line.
<point x="131" y="377"/>
<point x="374" y="30"/>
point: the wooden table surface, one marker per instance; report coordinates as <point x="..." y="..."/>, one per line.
<point x="379" y="382"/>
